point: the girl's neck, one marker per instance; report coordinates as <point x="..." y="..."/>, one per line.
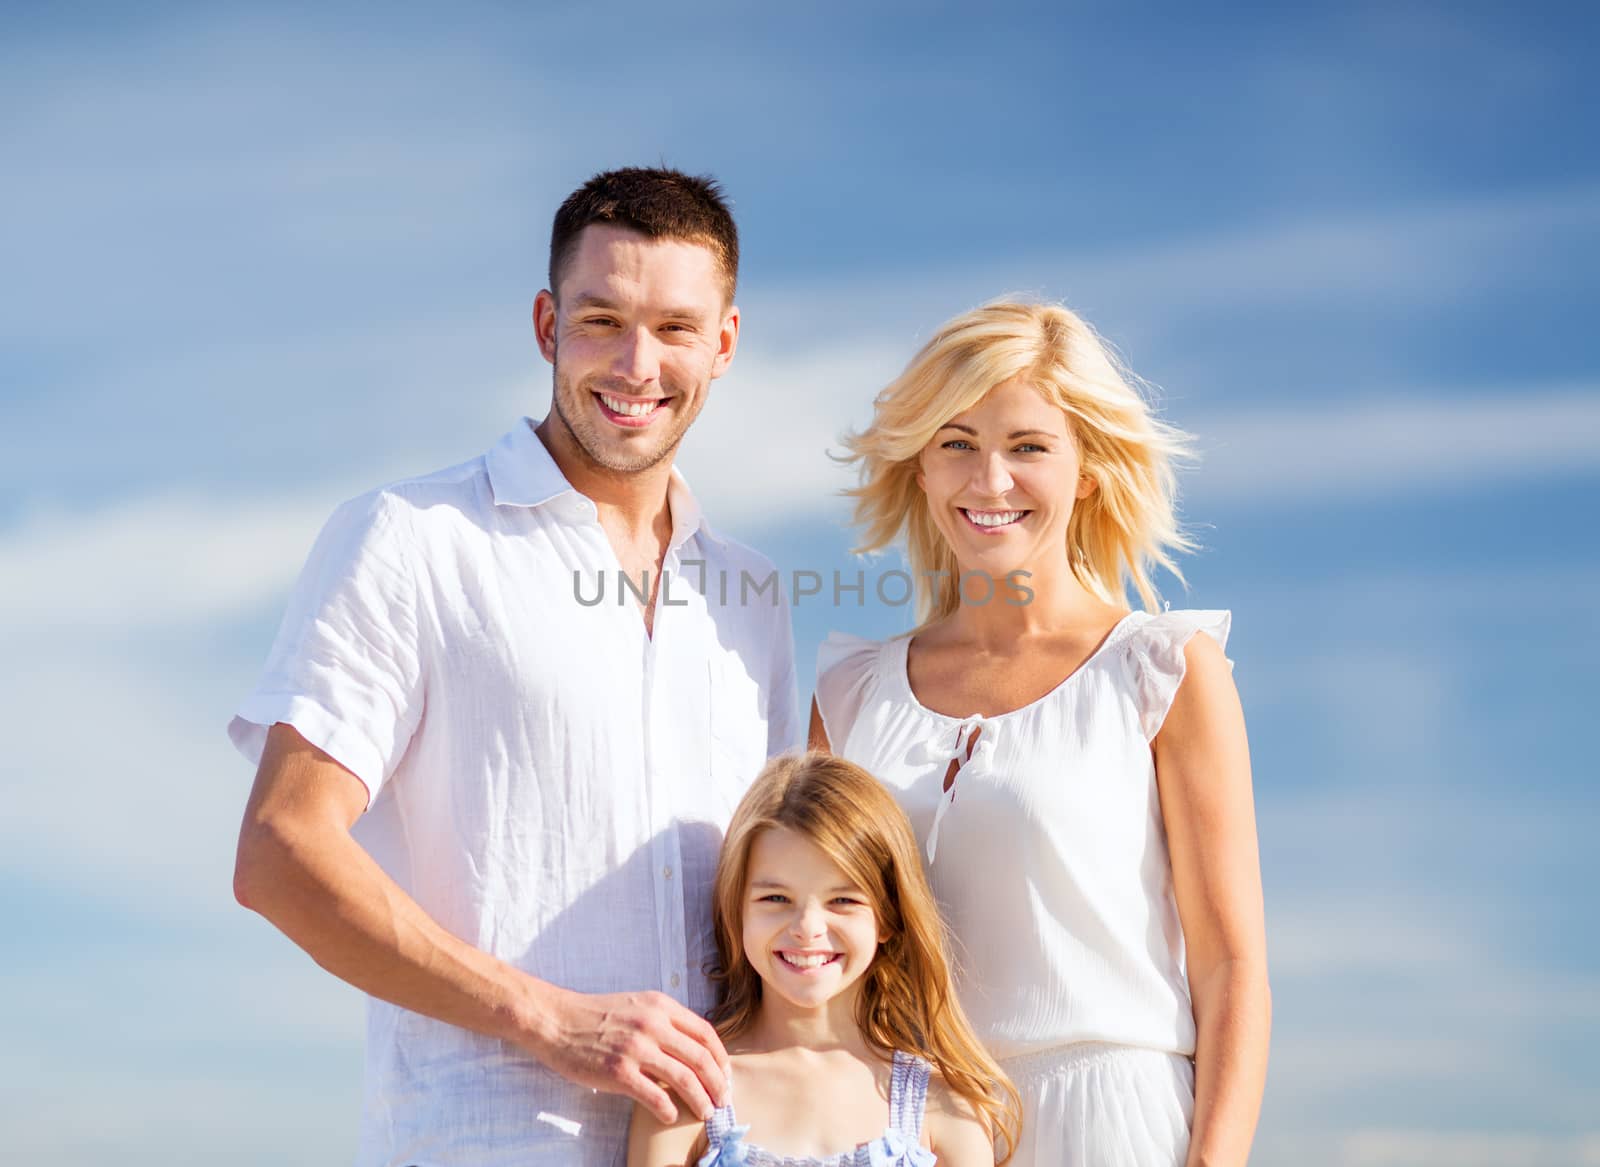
<point x="781" y="1025"/>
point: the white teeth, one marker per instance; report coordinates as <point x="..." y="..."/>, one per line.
<point x="629" y="408"/>
<point x="806" y="960"/>
<point x="994" y="518"/>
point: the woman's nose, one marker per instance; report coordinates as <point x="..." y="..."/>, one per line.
<point x="993" y="476"/>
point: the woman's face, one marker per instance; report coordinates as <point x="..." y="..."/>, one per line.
<point x="1001" y="480"/>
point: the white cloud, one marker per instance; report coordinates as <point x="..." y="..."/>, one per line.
<point x="1378" y="1146"/>
<point x="1436" y="252"/>
<point x="758" y="452"/>
<point x="758" y="458"/>
<point x="1434" y="1148"/>
<point x="1367" y="450"/>
<point x="171" y="558"/>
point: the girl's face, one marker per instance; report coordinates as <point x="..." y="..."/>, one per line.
<point x="809" y="932"/>
<point x="1001" y="480"/>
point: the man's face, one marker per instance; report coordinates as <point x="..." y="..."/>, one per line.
<point x="637" y="331"/>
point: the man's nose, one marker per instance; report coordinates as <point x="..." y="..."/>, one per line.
<point x="638" y="358"/>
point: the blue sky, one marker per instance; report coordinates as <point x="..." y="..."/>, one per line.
<point x="257" y="260"/>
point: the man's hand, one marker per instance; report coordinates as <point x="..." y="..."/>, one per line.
<point x="299" y="867"/>
<point x="634" y="1044"/>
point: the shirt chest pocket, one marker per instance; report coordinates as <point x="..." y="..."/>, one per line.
<point x="738" y="728"/>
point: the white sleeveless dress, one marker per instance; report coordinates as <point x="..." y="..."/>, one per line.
<point x="1049" y="859"/>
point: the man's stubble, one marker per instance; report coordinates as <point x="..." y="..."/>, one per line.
<point x="585" y="433"/>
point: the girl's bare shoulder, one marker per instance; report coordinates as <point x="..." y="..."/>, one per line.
<point x="957" y="1131"/>
<point x="653" y="1143"/>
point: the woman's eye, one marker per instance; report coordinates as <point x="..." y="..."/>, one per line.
<point x="957" y="444"/>
<point x="1030" y="448"/>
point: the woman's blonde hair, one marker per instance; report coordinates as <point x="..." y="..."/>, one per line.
<point x="1124" y="528"/>
<point x="907" y="1001"/>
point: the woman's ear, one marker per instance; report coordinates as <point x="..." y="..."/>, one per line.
<point x="1086" y="486"/>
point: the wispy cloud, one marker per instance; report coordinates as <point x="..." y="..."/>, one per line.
<point x="1437" y="251"/>
<point x="179" y="555"/>
<point x="1366" y="450"/>
<point x="174" y="558"/>
<point x="1438" y="1148"/>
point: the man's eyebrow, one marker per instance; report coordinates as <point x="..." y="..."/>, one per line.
<point x="596" y="300"/>
<point x="593" y="300"/>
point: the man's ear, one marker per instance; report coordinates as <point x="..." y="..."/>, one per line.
<point x="727" y="342"/>
<point x="544" y="324"/>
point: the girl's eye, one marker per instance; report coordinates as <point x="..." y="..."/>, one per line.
<point x="849" y="902"/>
<point x="773" y="898"/>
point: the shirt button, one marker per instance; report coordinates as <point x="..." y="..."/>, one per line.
<point x="674" y="980"/>
<point x="666" y="873"/>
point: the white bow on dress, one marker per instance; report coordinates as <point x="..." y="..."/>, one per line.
<point x="973" y="751"/>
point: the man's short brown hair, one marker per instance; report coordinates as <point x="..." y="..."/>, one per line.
<point x="656" y="202"/>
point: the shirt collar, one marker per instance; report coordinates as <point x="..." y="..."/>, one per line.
<point x="521" y="471"/>
<point x="523" y="474"/>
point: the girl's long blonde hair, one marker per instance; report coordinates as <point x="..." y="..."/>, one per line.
<point x="1118" y="533"/>
<point x="907" y="1001"/>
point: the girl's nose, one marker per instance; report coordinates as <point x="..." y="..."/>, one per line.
<point x="810" y="921"/>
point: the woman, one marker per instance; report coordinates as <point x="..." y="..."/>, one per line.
<point x="1078" y="772"/>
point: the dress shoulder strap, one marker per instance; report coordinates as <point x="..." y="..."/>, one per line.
<point x="908" y="1094"/>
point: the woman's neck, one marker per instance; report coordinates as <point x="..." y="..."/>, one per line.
<point x="1053" y="599"/>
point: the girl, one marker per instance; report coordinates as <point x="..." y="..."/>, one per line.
<point x="847" y="1044"/>
<point x="1078" y="771"/>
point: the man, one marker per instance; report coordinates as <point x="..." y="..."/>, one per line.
<point x="493" y="804"/>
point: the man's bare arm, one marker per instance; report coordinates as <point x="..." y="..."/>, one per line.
<point x="300" y="868"/>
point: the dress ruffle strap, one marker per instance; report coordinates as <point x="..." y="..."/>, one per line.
<point x="1157" y="651"/>
<point x="908" y="1093"/>
<point x="844" y="674"/>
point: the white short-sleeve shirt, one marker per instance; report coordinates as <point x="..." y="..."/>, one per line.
<point x="547" y="781"/>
